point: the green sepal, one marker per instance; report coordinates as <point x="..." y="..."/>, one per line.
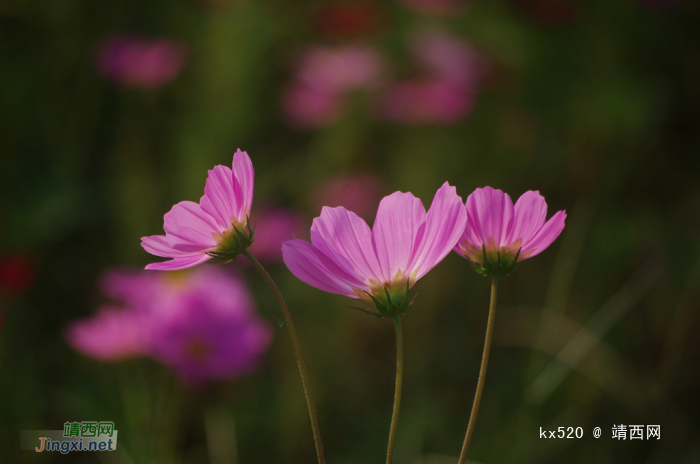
<point x="391" y="308"/>
<point x="366" y="311"/>
<point x="238" y="241"/>
<point x="500" y="269"/>
<point x="415" y="297"/>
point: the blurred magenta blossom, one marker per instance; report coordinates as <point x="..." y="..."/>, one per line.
<point x="114" y="333"/>
<point x="446" y="88"/>
<point x="500" y="234"/>
<point x="446" y="57"/>
<point x="427" y="102"/>
<point x="322" y="78"/>
<point x="201" y="323"/>
<point x="272" y="227"/>
<point x="139" y="62"/>
<point x="358" y="193"/>
<point x="348" y="258"/>
<point x="193" y="231"/>
<point x="338" y="69"/>
<point x="306" y="108"/>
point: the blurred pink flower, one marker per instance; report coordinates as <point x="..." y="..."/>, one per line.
<point x="201" y="323"/>
<point x="139" y="62"/>
<point x="193" y="231"/>
<point x="348" y="258"/>
<point x="426" y="102"/>
<point x="448" y="58"/>
<point x="338" y="69"/>
<point x="273" y="227"/>
<point x="447" y="88"/>
<point x="498" y="234"/>
<point x="113" y="333"/>
<point x="306" y="108"/>
<point x="210" y="329"/>
<point x="322" y="78"/>
<point x="357" y="193"/>
<point x="435" y="7"/>
<point x="135" y="289"/>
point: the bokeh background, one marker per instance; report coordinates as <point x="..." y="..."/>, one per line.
<point x="111" y="112"/>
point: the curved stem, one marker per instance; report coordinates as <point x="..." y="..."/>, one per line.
<point x="482" y="371"/>
<point x="397" y="393"/>
<point x="297" y="354"/>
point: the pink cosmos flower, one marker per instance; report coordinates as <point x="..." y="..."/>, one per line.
<point x="195" y="231"/>
<point x="209" y="328"/>
<point x="140" y="62"/>
<point x="348" y="258"/>
<point x="122" y="330"/>
<point x="200" y="323"/>
<point x="112" y="334"/>
<point x="498" y="235"/>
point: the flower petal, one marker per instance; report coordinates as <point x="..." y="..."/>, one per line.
<point x="179" y="263"/>
<point x="400" y="220"/>
<point x="242" y="181"/>
<point x="219" y="200"/>
<point x="490" y="214"/>
<point x="158" y="245"/>
<point x="112" y="334"/>
<point x="345" y="238"/>
<point x="188" y="228"/>
<point x="444" y="226"/>
<point x="470" y="237"/>
<point x="546" y="235"/>
<point x="529" y="214"/>
<point x="314" y="268"/>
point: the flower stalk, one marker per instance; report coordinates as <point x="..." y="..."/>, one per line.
<point x="397" y="392"/>
<point x="482" y="371"/>
<point x="297" y="353"/>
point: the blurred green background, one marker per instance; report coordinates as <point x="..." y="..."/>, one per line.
<point x="593" y="103"/>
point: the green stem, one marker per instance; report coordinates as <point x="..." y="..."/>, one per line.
<point x="482" y="371"/>
<point x="297" y="353"/>
<point x="397" y="393"/>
